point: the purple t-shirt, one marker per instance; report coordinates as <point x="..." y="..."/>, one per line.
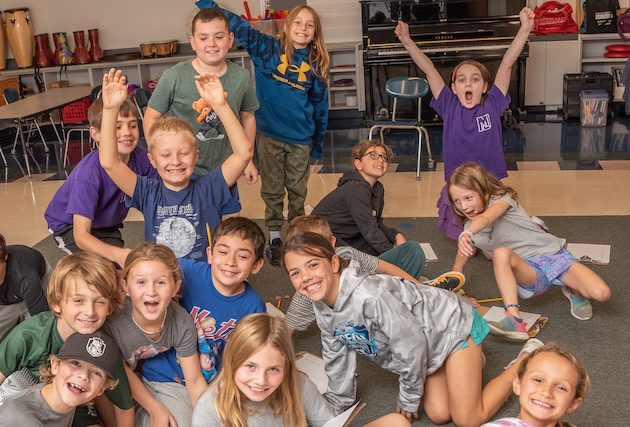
<point x="472" y="135"/>
<point x="91" y="193"/>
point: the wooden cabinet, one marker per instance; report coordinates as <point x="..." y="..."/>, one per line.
<point x="12" y="82"/>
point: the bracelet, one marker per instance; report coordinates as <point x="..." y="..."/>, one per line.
<point x="464" y="232"/>
<point x="512" y="305"/>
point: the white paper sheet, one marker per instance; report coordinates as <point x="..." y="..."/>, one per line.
<point x="590" y="253"/>
<point x="313" y="367"/>
<point x="429" y="253"/>
<point x="341" y="419"/>
<point x="495" y="314"/>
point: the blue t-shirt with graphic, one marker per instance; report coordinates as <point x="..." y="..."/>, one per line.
<point x="214" y="315"/>
<point x="181" y="219"/>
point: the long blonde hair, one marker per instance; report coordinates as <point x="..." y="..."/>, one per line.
<point x="583" y="383"/>
<point x="317" y="52"/>
<point x="252" y="333"/>
<point x="473" y="176"/>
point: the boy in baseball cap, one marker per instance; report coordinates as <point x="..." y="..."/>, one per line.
<point x="82" y="370"/>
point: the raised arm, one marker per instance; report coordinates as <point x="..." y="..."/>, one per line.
<point x="422" y="61"/>
<point x="248" y="120"/>
<point x="211" y="90"/>
<point x="114" y="94"/>
<point x="502" y="79"/>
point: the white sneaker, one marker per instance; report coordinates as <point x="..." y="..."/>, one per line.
<point x="531" y="345"/>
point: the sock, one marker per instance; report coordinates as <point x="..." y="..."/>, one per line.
<point x="273" y="235"/>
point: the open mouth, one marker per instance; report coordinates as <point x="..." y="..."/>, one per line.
<point x="542" y="404"/>
<point x="151" y="307"/>
<point x="314" y="288"/>
<point x="469" y="96"/>
<point x="76" y="389"/>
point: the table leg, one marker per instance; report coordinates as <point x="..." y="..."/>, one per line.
<point x="21" y="131"/>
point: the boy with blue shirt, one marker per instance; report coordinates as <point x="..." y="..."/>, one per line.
<point x="217" y="295"/>
<point x="87" y="211"/>
<point x="178" y="212"/>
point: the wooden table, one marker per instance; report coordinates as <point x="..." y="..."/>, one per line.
<point x="41" y="103"/>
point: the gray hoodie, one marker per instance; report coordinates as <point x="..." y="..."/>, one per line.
<point x="405" y="328"/>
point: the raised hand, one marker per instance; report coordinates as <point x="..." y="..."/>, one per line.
<point x="527" y="18"/>
<point x="114" y="90"/>
<point x="402" y="32"/>
<point x="211" y="89"/>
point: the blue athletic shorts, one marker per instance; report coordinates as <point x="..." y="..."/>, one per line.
<point x="549" y="271"/>
<point x="479" y="329"/>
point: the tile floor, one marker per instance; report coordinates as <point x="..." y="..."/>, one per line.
<point x="558" y="168"/>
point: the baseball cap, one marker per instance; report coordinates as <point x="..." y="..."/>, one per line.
<point x="97" y="348"/>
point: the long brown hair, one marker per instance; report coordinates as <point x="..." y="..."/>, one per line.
<point x="251" y="334"/>
<point x="317" y="52"/>
<point x="473" y="176"/>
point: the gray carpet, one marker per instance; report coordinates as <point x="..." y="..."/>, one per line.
<point x="602" y="343"/>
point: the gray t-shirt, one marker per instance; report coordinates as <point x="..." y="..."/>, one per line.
<point x="177" y="95"/>
<point x="179" y="333"/>
<point x="28" y="408"/>
<point x="318" y="411"/>
<point x="516" y="230"/>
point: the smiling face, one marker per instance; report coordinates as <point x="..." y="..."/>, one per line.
<point x="76" y="382"/>
<point x="469" y="85"/>
<point x="314" y="277"/>
<point x="372" y="165"/>
<point x="151" y="287"/>
<point x="261" y="374"/>
<point x="468" y="202"/>
<point x="127" y="135"/>
<point x="547" y="390"/>
<point x="82" y="310"/>
<point x="302" y="29"/>
<point x="211" y="42"/>
<point x="233" y="259"/>
<point x="174" y="158"/>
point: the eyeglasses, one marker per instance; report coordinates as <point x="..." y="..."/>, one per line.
<point x="375" y="156"/>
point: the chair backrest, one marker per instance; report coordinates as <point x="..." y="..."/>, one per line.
<point x="141" y="98"/>
<point x="96" y="92"/>
<point x="407" y="87"/>
<point x="10" y="94"/>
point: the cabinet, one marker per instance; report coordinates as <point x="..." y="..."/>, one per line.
<point x="549" y="60"/>
<point x="138" y="71"/>
<point x="346" y="64"/>
<point x="592" y="49"/>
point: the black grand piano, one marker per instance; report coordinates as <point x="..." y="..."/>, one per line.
<point x="448" y="32"/>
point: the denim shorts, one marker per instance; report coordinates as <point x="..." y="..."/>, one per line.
<point x="479" y="329"/>
<point x="549" y="272"/>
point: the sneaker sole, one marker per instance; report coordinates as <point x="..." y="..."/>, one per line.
<point x="508" y="335"/>
<point x="567" y="294"/>
<point x="457" y="274"/>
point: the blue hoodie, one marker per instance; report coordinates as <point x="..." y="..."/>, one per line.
<point x="293" y="100"/>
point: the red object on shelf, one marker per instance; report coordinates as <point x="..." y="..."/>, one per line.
<point x="76" y="112"/>
<point x="617" y="54"/>
<point x="95" y="48"/>
<point x="618" y="48"/>
<point x="43" y="57"/>
<point x="81" y="54"/>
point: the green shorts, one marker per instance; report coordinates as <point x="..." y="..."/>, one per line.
<point x="479" y="329"/>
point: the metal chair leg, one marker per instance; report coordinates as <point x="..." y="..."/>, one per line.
<point x="41" y="135"/>
<point x="419" y="151"/>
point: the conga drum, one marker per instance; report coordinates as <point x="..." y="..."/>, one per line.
<point x="21" y="36"/>
<point x="3" y="45"/>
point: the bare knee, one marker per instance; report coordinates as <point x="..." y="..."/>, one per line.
<point x="501" y="255"/>
<point x="438" y="414"/>
<point x="600" y="293"/>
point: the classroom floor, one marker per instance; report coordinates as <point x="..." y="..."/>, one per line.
<point x="558" y="167"/>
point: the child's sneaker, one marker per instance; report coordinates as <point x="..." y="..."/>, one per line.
<point x="510" y="328"/>
<point x="531" y="345"/>
<point x="274" y="252"/>
<point x="451" y="281"/>
<point x="580" y="306"/>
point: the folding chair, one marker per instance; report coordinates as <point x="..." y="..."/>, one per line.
<point x="10" y="95"/>
<point x="406" y="88"/>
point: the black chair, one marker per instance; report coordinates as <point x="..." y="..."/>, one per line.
<point x="11" y="95"/>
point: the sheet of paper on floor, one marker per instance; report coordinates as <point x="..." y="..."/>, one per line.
<point x="429" y="253"/>
<point x="313" y="367"/>
<point x="598" y="254"/>
<point x="340" y="420"/>
<point x="495" y="314"/>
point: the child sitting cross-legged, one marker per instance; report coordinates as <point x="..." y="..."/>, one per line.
<point x="217" y="295"/>
<point x="300" y="313"/>
<point x="82" y="292"/>
<point x="429" y="336"/>
<point x="82" y="370"/>
<point x="177" y="211"/>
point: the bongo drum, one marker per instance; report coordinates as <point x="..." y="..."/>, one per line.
<point x="163" y="48"/>
<point x="21" y="36"/>
<point x="147" y="49"/>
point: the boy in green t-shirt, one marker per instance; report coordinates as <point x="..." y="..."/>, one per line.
<point x="82" y="292"/>
<point x="177" y="95"/>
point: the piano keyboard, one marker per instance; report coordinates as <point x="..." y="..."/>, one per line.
<point x="440" y="49"/>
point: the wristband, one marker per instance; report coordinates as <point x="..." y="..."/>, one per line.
<point x="464" y="232"/>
